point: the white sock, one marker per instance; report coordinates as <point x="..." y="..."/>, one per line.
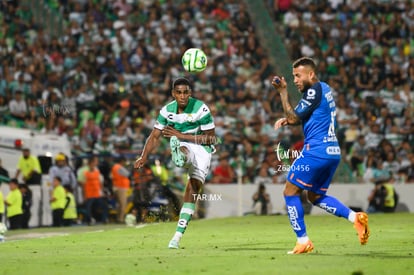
<point x="177" y="236"/>
<point x="303" y="240"/>
<point x="352" y="216"/>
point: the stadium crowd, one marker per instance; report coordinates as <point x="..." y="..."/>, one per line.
<point x="100" y="81"/>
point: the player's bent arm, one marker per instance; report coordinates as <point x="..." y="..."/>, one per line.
<point x="291" y="117"/>
<point x="151" y="143"/>
<point x="208" y="137"/>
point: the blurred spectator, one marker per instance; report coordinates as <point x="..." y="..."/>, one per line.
<point x="70" y="211"/>
<point x="74" y="141"/>
<point x="120" y="185"/>
<point x="358" y="154"/>
<point x="62" y="170"/>
<point x="86" y="142"/>
<point x="18" y="108"/>
<point x="351" y="135"/>
<point x="4" y="174"/>
<point x="104" y="146"/>
<point x="109" y="98"/>
<point x="410" y="170"/>
<point x="383" y="197"/>
<point x="57" y="202"/>
<point x="120" y="139"/>
<point x="364" y="80"/>
<point x="141" y="196"/>
<point x="27" y="204"/>
<point x="391" y="164"/>
<point x="2" y="204"/>
<point x="29" y="167"/>
<point x="19" y="85"/>
<point x="223" y="172"/>
<point x="4" y="110"/>
<point x="374" y="137"/>
<point x="138" y="136"/>
<point x="92" y="130"/>
<point x="14" y="202"/>
<point x="94" y="201"/>
<point x="261" y="201"/>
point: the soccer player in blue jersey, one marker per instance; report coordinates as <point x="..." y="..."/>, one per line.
<point x="189" y="125"/>
<point x="315" y="166"/>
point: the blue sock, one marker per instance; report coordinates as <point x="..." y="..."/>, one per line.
<point x="333" y="206"/>
<point x="296" y="215"/>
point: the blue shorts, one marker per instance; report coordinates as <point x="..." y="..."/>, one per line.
<point x="312" y="173"/>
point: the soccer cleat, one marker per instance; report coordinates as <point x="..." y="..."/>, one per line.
<point x="361" y="226"/>
<point x="302" y="248"/>
<point x="178" y="157"/>
<point x="173" y="244"/>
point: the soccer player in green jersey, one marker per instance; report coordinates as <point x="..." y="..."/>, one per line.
<point x="189" y="125"/>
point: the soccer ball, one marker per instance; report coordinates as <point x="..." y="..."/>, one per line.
<point x="3" y="230"/>
<point x="130" y="220"/>
<point x="194" y="60"/>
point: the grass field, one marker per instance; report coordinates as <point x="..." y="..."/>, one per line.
<point x="242" y="245"/>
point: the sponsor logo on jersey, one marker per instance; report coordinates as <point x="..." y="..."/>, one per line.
<point x="333" y="150"/>
<point x="310" y="94"/>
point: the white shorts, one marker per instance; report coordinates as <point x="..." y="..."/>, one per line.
<point x="199" y="161"/>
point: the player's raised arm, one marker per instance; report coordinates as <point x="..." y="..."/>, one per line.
<point x="291" y="118"/>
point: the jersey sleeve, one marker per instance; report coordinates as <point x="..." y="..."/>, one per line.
<point x="37" y="166"/>
<point x="161" y="121"/>
<point x="206" y="120"/>
<point x="309" y="102"/>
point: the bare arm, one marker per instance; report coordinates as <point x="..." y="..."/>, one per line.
<point x="291" y="117"/>
<point x="151" y="143"/>
<point x="281" y="87"/>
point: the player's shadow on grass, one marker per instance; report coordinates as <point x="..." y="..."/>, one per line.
<point x="369" y="254"/>
<point x="381" y="255"/>
<point x="253" y="247"/>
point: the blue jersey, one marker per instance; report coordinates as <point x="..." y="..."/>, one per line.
<point x="317" y="110"/>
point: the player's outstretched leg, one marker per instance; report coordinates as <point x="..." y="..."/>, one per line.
<point x="186" y="213"/>
<point x="360" y="219"/>
<point x="296" y="216"/>
<point x="178" y="157"/>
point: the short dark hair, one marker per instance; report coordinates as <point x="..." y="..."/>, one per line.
<point x="23" y="185"/>
<point x="68" y="187"/>
<point x="121" y="159"/>
<point x="14" y="180"/>
<point x="181" y="81"/>
<point x="305" y="61"/>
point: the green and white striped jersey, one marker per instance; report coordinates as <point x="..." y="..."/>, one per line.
<point x="195" y="118"/>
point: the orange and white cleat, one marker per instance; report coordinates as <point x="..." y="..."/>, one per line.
<point x="302" y="248"/>
<point x="361" y="226"/>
